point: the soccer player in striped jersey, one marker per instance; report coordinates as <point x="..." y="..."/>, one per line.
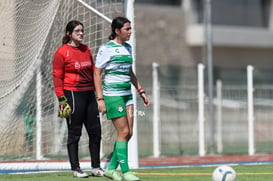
<point x="114" y="95"/>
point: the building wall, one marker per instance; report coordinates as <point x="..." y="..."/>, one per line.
<point x="165" y="35"/>
<point x="160" y="36"/>
<point x="157" y="2"/>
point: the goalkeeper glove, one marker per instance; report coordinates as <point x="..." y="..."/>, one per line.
<point x="64" y="108"/>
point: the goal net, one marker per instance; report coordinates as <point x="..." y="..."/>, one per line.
<point x="31" y="32"/>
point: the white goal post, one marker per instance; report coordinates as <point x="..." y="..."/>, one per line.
<point x="29" y="126"/>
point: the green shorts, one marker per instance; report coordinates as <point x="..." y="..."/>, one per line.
<point x="116" y="105"/>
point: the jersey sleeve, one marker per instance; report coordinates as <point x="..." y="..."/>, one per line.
<point x="102" y="57"/>
<point x="58" y="73"/>
<point x="92" y="63"/>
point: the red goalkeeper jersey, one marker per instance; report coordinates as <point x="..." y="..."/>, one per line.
<point x="73" y="69"/>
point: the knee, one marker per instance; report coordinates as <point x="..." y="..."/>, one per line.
<point x="125" y="133"/>
<point x="73" y="139"/>
<point x="95" y="137"/>
<point x="74" y="135"/>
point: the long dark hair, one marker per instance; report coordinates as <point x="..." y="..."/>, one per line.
<point x="117" y="23"/>
<point x="69" y="29"/>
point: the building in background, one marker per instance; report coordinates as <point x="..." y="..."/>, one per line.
<point x="242" y="34"/>
<point x="160" y="2"/>
<point x="172" y="34"/>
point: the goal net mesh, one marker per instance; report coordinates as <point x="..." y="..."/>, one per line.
<point x="31" y="32"/>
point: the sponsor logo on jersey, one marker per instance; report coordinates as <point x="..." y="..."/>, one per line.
<point x="125" y="66"/>
<point x="79" y="65"/>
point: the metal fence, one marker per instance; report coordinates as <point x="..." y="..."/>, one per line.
<point x="179" y="117"/>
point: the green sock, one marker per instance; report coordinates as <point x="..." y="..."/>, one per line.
<point x="114" y="160"/>
<point x="122" y="154"/>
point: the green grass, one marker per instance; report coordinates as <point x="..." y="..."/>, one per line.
<point x="244" y="173"/>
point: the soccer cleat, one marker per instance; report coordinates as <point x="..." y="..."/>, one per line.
<point x="129" y="176"/>
<point x="112" y="174"/>
<point x="97" y="172"/>
<point x="79" y="173"/>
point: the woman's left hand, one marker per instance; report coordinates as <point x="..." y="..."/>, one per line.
<point x="145" y="99"/>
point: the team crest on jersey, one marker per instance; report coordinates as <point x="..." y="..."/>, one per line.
<point x="77" y="65"/>
<point x="120" y="109"/>
<point x="117" y="50"/>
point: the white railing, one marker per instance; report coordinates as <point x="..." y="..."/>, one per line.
<point x="223" y="106"/>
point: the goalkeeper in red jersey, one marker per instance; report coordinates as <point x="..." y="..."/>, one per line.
<point x="73" y="82"/>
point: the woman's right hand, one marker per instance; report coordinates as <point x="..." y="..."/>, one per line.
<point x="101" y="106"/>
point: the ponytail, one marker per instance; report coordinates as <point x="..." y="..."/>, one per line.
<point x="112" y="36"/>
<point x="65" y="39"/>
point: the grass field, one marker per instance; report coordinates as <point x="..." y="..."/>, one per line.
<point x="244" y="173"/>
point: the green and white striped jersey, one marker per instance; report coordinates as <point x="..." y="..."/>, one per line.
<point x="116" y="60"/>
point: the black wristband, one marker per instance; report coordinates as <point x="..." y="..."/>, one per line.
<point x="142" y="92"/>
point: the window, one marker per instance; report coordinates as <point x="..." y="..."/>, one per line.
<point x="254" y="13"/>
